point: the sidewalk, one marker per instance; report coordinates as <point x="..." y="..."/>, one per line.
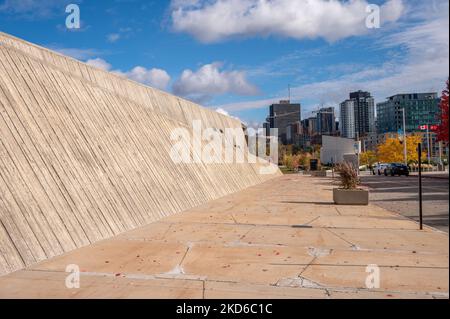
<point x="281" y="239"/>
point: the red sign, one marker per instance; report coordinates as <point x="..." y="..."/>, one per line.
<point x="430" y="127"/>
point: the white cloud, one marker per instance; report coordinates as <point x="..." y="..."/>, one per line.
<point x="156" y="78"/>
<point x="211" y="21"/>
<point x="113" y="37"/>
<point x="222" y="111"/>
<point x="226" y="113"/>
<point x="421" y="66"/>
<point x="152" y="77"/>
<point x="99" y="63"/>
<point x="209" y="80"/>
<point x="123" y="33"/>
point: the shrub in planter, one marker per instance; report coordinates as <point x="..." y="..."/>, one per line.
<point x="349" y="193"/>
<point x="348" y="175"/>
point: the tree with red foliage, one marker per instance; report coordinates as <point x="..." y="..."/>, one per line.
<point x="443" y="129"/>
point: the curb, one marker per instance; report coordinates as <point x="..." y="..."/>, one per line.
<point x="428" y="176"/>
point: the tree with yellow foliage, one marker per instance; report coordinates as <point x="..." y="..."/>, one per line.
<point x="304" y="160"/>
<point x="391" y="151"/>
<point x="291" y="161"/>
<point x="411" y="148"/>
<point x="368" y="158"/>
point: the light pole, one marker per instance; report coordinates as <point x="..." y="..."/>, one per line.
<point x="419" y="150"/>
<point x="405" y="154"/>
<point x="428" y="145"/>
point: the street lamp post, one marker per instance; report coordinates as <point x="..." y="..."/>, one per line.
<point x="419" y="150"/>
<point x="428" y="145"/>
<point x="405" y="154"/>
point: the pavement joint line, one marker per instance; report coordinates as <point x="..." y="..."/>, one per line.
<point x="247" y="244"/>
<point x="258" y="244"/>
<point x="315" y="227"/>
<point x="203" y="289"/>
<point x="166" y="232"/>
<point x="356" y="265"/>
<point x="185" y="253"/>
<point x="226" y="244"/>
<point x="342" y="238"/>
<point x="204" y="281"/>
<point x="418" y="252"/>
<point x="232" y="216"/>
<point x="306" y="267"/>
<point x="304" y="283"/>
<point x="245" y="235"/>
<point x="357" y="290"/>
<point x="313" y="220"/>
<point x="125" y="275"/>
<point x="361" y="289"/>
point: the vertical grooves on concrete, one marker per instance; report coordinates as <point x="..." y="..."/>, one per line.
<point x="84" y="155"/>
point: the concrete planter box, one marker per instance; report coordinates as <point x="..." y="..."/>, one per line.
<point x="350" y="196"/>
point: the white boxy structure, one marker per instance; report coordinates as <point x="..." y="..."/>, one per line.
<point x="337" y="149"/>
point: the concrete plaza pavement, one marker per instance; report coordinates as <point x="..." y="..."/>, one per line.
<point x="400" y="194"/>
<point x="280" y="239"/>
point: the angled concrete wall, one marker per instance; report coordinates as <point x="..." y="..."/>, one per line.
<point x="84" y="155"/>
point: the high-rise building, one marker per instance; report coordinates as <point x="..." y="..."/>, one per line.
<point x="292" y="132"/>
<point x="309" y="126"/>
<point x="326" y="121"/>
<point x="309" y="133"/>
<point x="358" y="115"/>
<point x="282" y="115"/>
<point x="266" y="128"/>
<point x="347" y="119"/>
<point x="364" y="113"/>
<point x="420" y="109"/>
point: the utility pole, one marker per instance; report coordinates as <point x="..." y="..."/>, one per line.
<point x="428" y="145"/>
<point x="419" y="150"/>
<point x="358" y="151"/>
<point x="405" y="154"/>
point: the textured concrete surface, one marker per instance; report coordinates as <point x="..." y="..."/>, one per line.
<point x="280" y="239"/>
<point x="85" y="155"/>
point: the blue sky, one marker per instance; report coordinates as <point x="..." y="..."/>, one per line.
<point x="240" y="55"/>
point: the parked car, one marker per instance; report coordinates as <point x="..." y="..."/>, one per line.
<point x="380" y="168"/>
<point x="396" y="169"/>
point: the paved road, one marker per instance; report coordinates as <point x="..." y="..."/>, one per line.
<point x="400" y="194"/>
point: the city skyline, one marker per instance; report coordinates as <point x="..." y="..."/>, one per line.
<point x="113" y="185"/>
<point x="416" y="112"/>
<point x="243" y="70"/>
